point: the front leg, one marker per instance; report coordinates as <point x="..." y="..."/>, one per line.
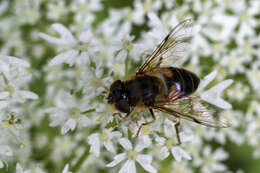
<point x="121" y="116"/>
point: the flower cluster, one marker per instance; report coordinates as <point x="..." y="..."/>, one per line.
<point x="54" y="116"/>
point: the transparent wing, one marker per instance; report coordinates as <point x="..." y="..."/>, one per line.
<point x="192" y="108"/>
<point x="171" y="49"/>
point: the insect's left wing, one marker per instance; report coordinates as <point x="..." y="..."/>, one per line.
<point x="171" y="48"/>
<point x="191" y="108"/>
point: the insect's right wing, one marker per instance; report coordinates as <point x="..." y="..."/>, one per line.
<point x="171" y="48"/>
<point x="191" y="108"/>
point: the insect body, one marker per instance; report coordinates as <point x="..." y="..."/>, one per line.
<point x="162" y="87"/>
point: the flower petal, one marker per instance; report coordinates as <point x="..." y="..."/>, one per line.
<point x="145" y="162"/>
<point x="93" y="140"/>
<point x="4" y="95"/>
<point x="27" y="94"/>
<point x="126" y="143"/>
<point x="64" y="32"/>
<point x="143" y="142"/>
<point x="53" y="40"/>
<point x="128" y="167"/>
<point x="118" y="158"/>
<point x="109" y="146"/>
<point x="5" y="150"/>
<point x="69" y="125"/>
<point x="3" y="104"/>
<point x="15" y="61"/>
<point x="63" y="57"/>
<point x="1" y="164"/>
<point x="207" y="79"/>
<point x="178" y="153"/>
<point x="164" y="153"/>
<point x="66" y="169"/>
<point x="213" y="94"/>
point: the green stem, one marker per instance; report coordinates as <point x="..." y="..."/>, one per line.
<point x="81" y="160"/>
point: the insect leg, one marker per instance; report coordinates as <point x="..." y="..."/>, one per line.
<point x="176" y="125"/>
<point x="144" y="124"/>
<point x="120" y="115"/>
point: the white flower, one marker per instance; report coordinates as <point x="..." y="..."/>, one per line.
<point x="170" y="143"/>
<point x="56" y="9"/>
<point x="77" y="51"/>
<point x="132" y="155"/>
<point x="213" y="94"/>
<point x="143" y="7"/>
<point x="69" y="112"/>
<point x="253" y="75"/>
<point x="5" y="151"/>
<point x="66" y="169"/>
<point x="211" y="161"/>
<point x="27" y="11"/>
<point x="104" y="138"/>
<point x="19" y="169"/>
<point x="13" y="75"/>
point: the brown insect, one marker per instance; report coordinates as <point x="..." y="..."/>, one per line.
<point x="160" y="87"/>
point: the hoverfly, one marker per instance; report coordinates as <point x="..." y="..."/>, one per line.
<point x="169" y="89"/>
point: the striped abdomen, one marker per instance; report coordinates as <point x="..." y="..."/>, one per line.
<point x="184" y="81"/>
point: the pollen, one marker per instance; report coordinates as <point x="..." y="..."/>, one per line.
<point x="171" y="142"/>
<point x="74" y="112"/>
<point x="104" y="137"/>
<point x="10" y="89"/>
<point x="146" y="130"/>
<point x="132" y="155"/>
<point x="128" y="45"/>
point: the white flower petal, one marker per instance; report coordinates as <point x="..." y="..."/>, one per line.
<point x="220" y="154"/>
<point x="154" y="20"/>
<point x="143" y="142"/>
<point x="1" y="164"/>
<point x="145" y="162"/>
<point x="93" y="140"/>
<point x="53" y="40"/>
<point x="69" y="125"/>
<point x="109" y="146"/>
<point x="3" y="6"/>
<point x="15" y="61"/>
<point x="121" y="56"/>
<point x="128" y="167"/>
<point x="126" y="143"/>
<point x="4" y="95"/>
<point x="19" y="168"/>
<point x="116" y="134"/>
<point x="5" y="150"/>
<point x="206" y="80"/>
<point x="164" y="153"/>
<point x="66" y="169"/>
<point x="178" y="153"/>
<point x="169" y="129"/>
<point x="218" y="167"/>
<point x="213" y="95"/>
<point x="64" y="32"/>
<point x="118" y="158"/>
<point x="3" y="104"/>
<point x="185" y="138"/>
<point x="63" y="57"/>
<point x="27" y="94"/>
